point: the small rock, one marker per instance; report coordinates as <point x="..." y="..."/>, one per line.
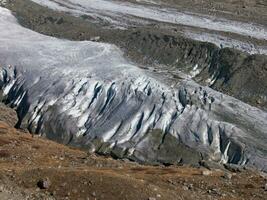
<point x="85" y="183"/>
<point x="151" y="198"/>
<point x="158" y="195"/>
<point x="60" y="20"/>
<point x="265" y="187"/>
<point x="227" y="176"/>
<point x="93" y="194"/>
<point x="190" y="186"/>
<point x="1" y="188"/>
<point x="171" y="182"/>
<point x="99" y="165"/>
<point x="233" y="168"/>
<point x="215" y="191"/>
<point x="125" y="160"/>
<point x="206" y="173"/>
<point x="44" y="183"/>
<point x="95" y="39"/>
<point x="63" y="184"/>
<point x="210" y="165"/>
<point x="185" y="188"/>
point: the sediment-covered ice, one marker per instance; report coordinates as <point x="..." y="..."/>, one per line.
<point x="2" y="2"/>
<point x="122" y="14"/>
<point x="75" y="92"/>
<point x="109" y="8"/>
<point x="224" y="42"/>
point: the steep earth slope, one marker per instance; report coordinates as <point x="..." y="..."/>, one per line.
<point x="26" y="162"/>
<point x="87" y="94"/>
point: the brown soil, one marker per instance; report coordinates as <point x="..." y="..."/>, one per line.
<point x="8" y="115"/>
<point x="74" y="174"/>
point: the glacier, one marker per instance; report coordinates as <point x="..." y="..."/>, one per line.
<point x="121" y="14"/>
<point x="111" y="9"/>
<point x="87" y="94"/>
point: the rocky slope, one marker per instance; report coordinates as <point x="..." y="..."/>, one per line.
<point x="7" y="115"/>
<point x="36" y="168"/>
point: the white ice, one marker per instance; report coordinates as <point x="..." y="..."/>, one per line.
<point x="87" y="89"/>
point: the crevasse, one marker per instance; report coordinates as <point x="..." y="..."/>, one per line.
<point x="77" y="92"/>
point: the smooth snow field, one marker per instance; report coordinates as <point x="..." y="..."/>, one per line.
<point x="77" y="91"/>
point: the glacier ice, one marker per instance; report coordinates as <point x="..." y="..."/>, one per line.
<point x="75" y="92"/>
<point x="111" y="8"/>
<point x="122" y="14"/>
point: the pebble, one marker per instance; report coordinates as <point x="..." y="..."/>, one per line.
<point x="227" y="176"/>
<point x="171" y="182"/>
<point x="63" y="184"/>
<point x="206" y="173"/>
<point x="85" y="183"/>
<point x="1" y="188"/>
<point x="185" y="188"/>
<point x="95" y="39"/>
<point x="44" y="183"/>
<point x="265" y="187"/>
<point x="213" y="191"/>
<point x="93" y="194"/>
<point x="190" y="186"/>
<point x="151" y="198"/>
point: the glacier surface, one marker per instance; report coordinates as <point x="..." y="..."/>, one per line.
<point x="123" y="14"/>
<point x="111" y="8"/>
<point x="75" y="92"/>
